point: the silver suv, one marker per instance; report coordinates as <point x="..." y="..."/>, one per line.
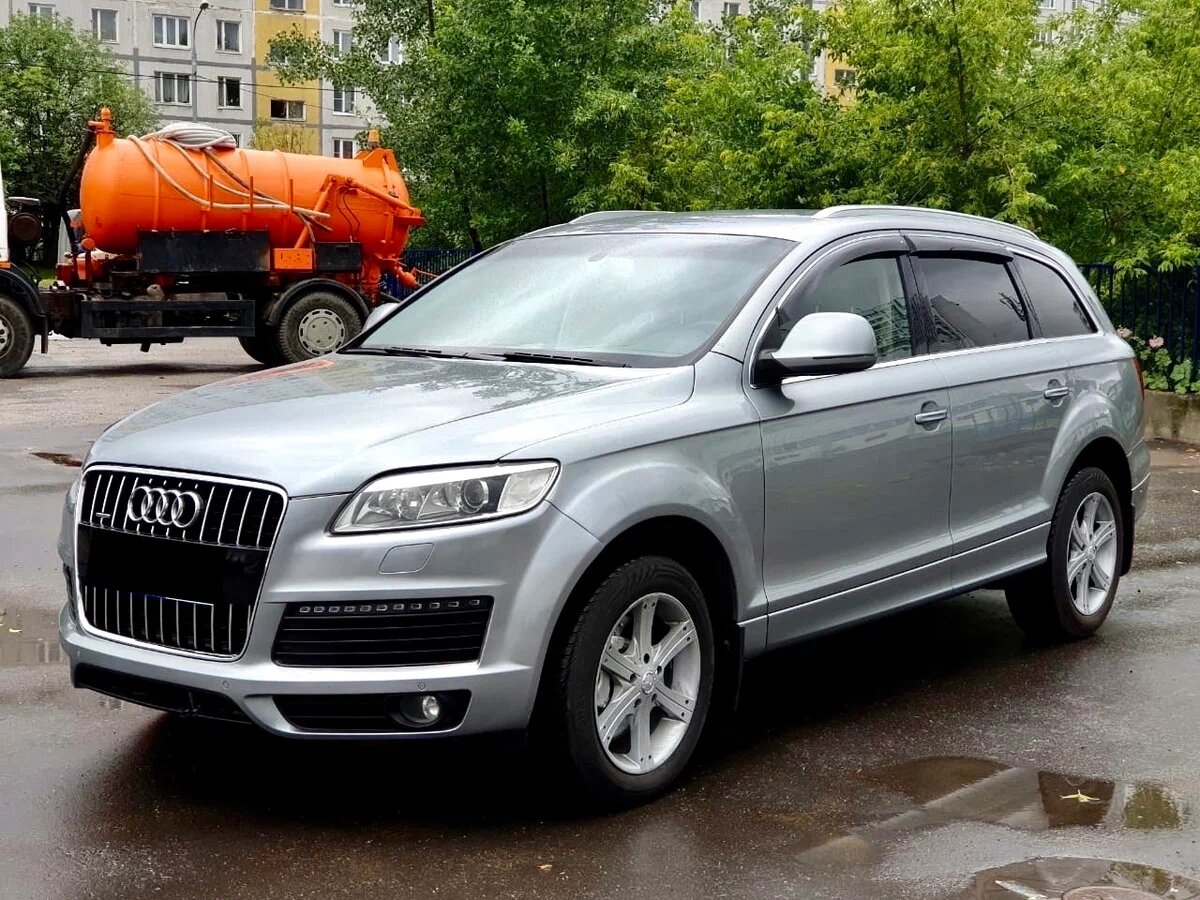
<point x="581" y="479"/>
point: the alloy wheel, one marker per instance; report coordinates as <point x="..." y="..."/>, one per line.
<point x="647" y="683"/>
<point x="1092" y="553"/>
<point x="6" y="335"/>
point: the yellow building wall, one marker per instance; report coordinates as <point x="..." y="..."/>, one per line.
<point x="268" y="23"/>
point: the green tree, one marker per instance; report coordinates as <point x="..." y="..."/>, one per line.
<point x="507" y="116"/>
<point x="53" y="80"/>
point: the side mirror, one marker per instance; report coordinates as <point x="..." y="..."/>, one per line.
<point x="379" y="313"/>
<point x="823" y="343"/>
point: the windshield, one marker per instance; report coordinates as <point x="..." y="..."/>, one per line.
<point x="635" y="299"/>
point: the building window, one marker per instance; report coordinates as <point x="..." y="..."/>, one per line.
<point x="342" y="2"/>
<point x="229" y="36"/>
<point x="696" y="10"/>
<point x="732" y="9"/>
<point x="172" y="87"/>
<point x="237" y="137"/>
<point x="46" y="10"/>
<point x="1044" y="37"/>
<point x="1048" y="4"/>
<point x="844" y="77"/>
<point x="343" y="148"/>
<point x="343" y="101"/>
<point x="342" y="41"/>
<point x="170" y="31"/>
<point x="288" y="5"/>
<point x="288" y="109"/>
<point x="229" y="92"/>
<point x="393" y="53"/>
<point x="104" y="25"/>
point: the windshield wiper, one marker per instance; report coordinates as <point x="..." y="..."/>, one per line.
<point x="561" y="358"/>
<point x="394" y="350"/>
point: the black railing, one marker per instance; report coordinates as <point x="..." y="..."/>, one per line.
<point x="429" y="263"/>
<point x="1153" y="304"/>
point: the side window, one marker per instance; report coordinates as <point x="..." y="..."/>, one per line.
<point x="872" y="288"/>
<point x="974" y="303"/>
<point x="1059" y="311"/>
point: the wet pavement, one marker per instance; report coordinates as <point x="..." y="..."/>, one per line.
<point x="935" y="755"/>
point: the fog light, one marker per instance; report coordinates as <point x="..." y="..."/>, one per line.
<point x="421" y="710"/>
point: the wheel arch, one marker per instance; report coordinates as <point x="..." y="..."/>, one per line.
<point x="15" y="285"/>
<point x="294" y="292"/>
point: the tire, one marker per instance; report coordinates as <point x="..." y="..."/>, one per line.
<point x="329" y="319"/>
<point x="625" y="773"/>
<point x="16" y="337"/>
<point x="261" y="348"/>
<point x="1047" y="602"/>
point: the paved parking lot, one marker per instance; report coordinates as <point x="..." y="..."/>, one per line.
<point x="933" y="755"/>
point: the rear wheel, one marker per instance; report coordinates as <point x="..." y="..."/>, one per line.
<point x="1069" y="596"/>
<point x="16" y="337"/>
<point x="317" y="323"/>
<point x="635" y="682"/>
<point x="261" y="348"/>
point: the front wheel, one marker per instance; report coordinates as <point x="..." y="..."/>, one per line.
<point x="635" y="682"/>
<point x="16" y="337"/>
<point x="315" y="324"/>
<point x="261" y="348"/>
<point x="1069" y="596"/>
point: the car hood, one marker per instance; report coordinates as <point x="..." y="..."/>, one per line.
<point x="327" y="425"/>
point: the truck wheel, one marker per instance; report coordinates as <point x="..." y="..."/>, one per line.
<point x="16" y="337"/>
<point x="261" y="348"/>
<point x="316" y="324"/>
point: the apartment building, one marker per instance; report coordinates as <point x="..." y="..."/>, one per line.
<point x="206" y="61"/>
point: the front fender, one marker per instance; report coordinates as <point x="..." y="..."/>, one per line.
<point x="715" y="480"/>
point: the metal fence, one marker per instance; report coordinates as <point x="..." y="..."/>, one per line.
<point x="1153" y="304"/>
<point x="429" y="262"/>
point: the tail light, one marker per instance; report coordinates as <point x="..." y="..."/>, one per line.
<point x="1137" y="367"/>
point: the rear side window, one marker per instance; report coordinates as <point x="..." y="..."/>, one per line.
<point x="871" y="288"/>
<point x="974" y="303"/>
<point x="1059" y="311"/>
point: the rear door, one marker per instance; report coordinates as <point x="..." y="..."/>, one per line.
<point x="1009" y="390"/>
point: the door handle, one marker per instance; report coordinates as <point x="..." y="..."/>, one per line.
<point x="1055" y="391"/>
<point x="931" y="416"/>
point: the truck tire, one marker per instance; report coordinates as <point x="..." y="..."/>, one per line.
<point x="315" y="324"/>
<point x="16" y="337"/>
<point x="261" y="348"/>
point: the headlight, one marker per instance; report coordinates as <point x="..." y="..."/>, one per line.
<point x="446" y="497"/>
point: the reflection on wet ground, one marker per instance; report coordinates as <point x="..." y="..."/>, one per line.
<point x="944" y="790"/>
<point x="1079" y="879"/>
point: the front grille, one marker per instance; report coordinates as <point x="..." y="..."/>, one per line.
<point x="184" y="576"/>
<point x="158" y="694"/>
<point x="365" y="713"/>
<point x="412" y="633"/>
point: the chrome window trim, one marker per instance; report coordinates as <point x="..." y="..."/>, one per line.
<point x="77" y="599"/>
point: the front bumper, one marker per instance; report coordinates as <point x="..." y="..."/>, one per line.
<point x="528" y="564"/>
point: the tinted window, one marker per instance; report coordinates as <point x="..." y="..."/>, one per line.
<point x="872" y="288"/>
<point x="643" y="298"/>
<point x="1058" y="311"/>
<point x="975" y="303"/>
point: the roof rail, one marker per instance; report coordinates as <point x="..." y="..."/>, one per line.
<point x="608" y="215"/>
<point x="840" y="212"/>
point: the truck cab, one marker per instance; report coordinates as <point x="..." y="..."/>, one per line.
<point x="22" y="316"/>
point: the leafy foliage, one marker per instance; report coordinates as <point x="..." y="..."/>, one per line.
<point x="516" y="115"/>
<point x="53" y="80"/>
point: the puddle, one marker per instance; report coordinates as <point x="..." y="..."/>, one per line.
<point x="930" y="792"/>
<point x="1080" y="879"/>
<point x="19" y="649"/>
<point x="59" y="459"/>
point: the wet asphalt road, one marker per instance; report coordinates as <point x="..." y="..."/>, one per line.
<point x="934" y="755"/>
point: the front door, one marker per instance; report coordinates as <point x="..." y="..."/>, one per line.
<point x="857" y="466"/>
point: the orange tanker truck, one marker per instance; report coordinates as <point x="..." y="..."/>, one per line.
<point x="183" y="234"/>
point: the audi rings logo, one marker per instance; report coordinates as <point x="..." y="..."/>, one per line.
<point x="159" y="506"/>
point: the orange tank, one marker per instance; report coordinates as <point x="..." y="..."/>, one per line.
<point x="130" y="185"/>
